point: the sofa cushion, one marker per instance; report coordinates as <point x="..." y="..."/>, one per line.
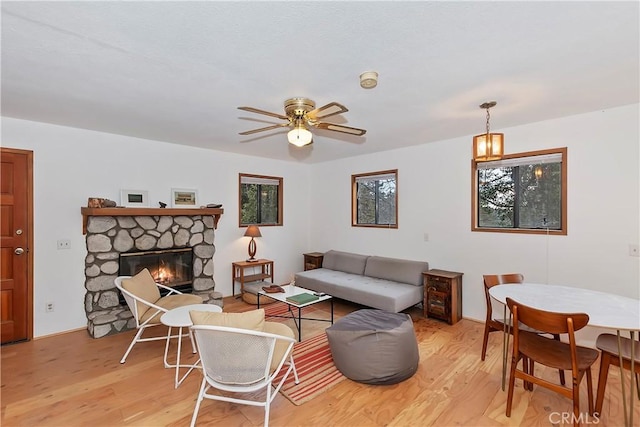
<point x="370" y="291"/>
<point x="345" y="261"/>
<point x="398" y="270"/>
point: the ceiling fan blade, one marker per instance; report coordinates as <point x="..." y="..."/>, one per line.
<point x="331" y="109"/>
<point x="266" y="113"/>
<point x="249" y="132"/>
<point x="341" y="128"/>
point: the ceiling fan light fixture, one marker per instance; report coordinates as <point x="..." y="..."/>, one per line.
<point x="300" y="136"/>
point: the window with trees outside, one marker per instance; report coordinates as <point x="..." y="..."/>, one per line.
<point x="374" y="199"/>
<point x="521" y="193"/>
<point x="260" y="200"/>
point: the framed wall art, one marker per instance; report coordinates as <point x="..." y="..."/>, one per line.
<point x="184" y="198"/>
<point x="134" y="198"/>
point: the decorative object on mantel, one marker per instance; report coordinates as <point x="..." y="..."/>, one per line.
<point x="214" y="205"/>
<point x="98" y="202"/>
<point x="184" y="198"/>
<point x="252" y="231"/>
<point x="488" y="146"/>
<point x="162" y="205"/>
<point x="134" y="198"/>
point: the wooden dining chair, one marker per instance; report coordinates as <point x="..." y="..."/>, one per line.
<point x="550" y="352"/>
<point x="610" y="355"/>
<point x="492" y="324"/>
<point x="495" y="324"/>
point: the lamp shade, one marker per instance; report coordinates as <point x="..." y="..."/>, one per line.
<point x="300" y="136"/>
<point x="252" y="231"/>
<point x="488" y="146"/>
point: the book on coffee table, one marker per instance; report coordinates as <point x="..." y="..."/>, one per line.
<point x="302" y="298"/>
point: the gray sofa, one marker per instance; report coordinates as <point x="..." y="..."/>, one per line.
<point x="385" y="283"/>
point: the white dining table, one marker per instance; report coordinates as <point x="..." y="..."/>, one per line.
<point x="605" y="310"/>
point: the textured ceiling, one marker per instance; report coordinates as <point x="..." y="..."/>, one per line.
<point x="177" y="71"/>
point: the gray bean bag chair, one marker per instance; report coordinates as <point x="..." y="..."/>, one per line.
<point x="374" y="346"/>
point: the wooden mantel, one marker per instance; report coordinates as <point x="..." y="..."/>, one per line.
<point x="87" y="212"/>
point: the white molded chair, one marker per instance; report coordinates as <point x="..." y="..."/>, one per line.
<point x="241" y="360"/>
<point x="147" y="313"/>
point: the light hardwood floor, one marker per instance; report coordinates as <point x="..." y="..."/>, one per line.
<point x="74" y="380"/>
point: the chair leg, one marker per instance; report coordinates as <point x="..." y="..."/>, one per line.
<point x="198" y="401"/>
<point x="166" y="348"/>
<point x="295" y="372"/>
<point x="133" y="342"/>
<point x="267" y="406"/>
<point x="512" y="380"/>
<point x="590" y="390"/>
<point x="529" y="385"/>
<point x="576" y="401"/>
<point x="193" y="341"/>
<point x="605" y="361"/>
<point x="485" y="339"/>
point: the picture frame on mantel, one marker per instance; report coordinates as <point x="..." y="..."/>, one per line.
<point x="134" y="198"/>
<point x="184" y="198"/>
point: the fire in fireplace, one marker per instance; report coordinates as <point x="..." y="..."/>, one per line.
<point x="170" y="267"/>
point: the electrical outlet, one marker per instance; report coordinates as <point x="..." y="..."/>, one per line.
<point x="634" y="250"/>
<point x="64" y="244"/>
<point x="49" y="307"/>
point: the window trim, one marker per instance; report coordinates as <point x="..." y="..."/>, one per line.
<point x="280" y="199"/>
<point x="354" y="198"/>
<point x="563" y="220"/>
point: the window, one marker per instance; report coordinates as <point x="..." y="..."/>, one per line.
<point x="374" y="199"/>
<point x="522" y="193"/>
<point x="260" y="200"/>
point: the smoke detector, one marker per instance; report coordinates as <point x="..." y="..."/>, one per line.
<point x="369" y="79"/>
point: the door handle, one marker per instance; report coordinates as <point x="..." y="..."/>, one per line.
<point x="19" y="251"/>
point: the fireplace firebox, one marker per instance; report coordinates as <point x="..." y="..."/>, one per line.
<point x="170" y="267"/>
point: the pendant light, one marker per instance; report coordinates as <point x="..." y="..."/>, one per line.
<point x="488" y="146"/>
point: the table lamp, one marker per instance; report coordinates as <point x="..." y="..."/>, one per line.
<point x="252" y="231"/>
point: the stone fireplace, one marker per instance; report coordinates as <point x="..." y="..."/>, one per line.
<point x="115" y="232"/>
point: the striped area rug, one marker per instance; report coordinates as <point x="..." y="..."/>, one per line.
<point x="312" y="356"/>
<point x="316" y="370"/>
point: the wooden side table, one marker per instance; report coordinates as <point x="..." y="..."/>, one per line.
<point x="238" y="273"/>
<point x="443" y="295"/>
<point x="313" y="260"/>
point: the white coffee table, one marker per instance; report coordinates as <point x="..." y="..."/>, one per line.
<point x="179" y="318"/>
<point x="296" y="290"/>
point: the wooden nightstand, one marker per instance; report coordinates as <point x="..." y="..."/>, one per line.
<point x="313" y="260"/>
<point x="237" y="273"/>
<point x="443" y="295"/>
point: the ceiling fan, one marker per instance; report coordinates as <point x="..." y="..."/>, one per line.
<point x="301" y="114"/>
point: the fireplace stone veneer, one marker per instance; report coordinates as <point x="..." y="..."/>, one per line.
<point x="109" y="236"/>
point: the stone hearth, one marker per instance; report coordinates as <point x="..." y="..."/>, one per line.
<point x="108" y="236"/>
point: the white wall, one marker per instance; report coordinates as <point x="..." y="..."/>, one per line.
<point x="434" y="190"/>
<point x="434" y="197"/>
<point x="71" y="165"/>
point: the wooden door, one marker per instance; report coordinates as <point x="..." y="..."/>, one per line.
<point x="16" y="240"/>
